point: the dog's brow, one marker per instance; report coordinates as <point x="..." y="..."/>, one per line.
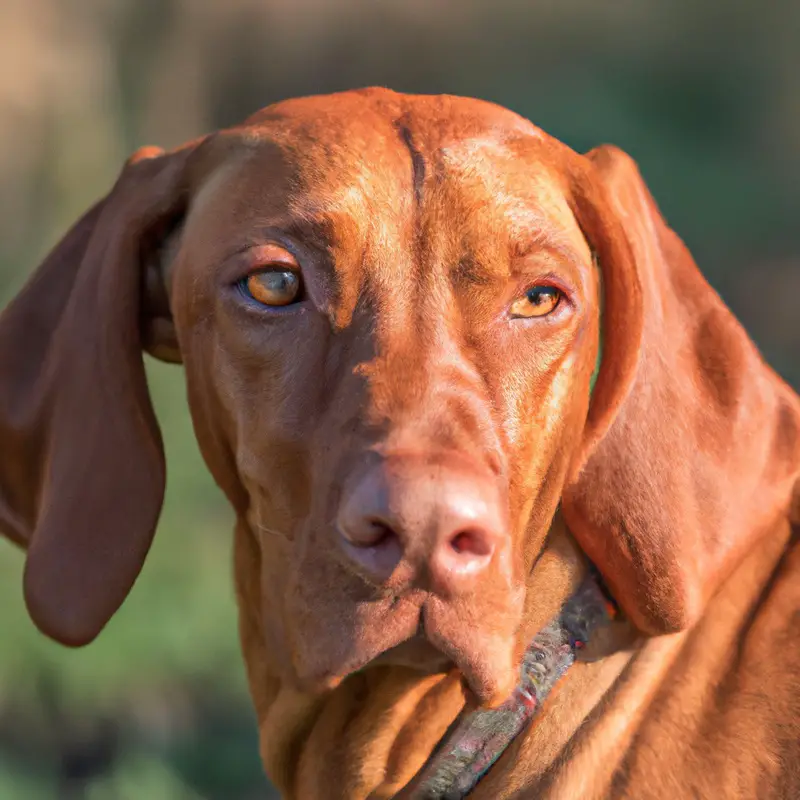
<point x="481" y="271"/>
<point x="548" y="243"/>
<point x="315" y="233"/>
<point x="318" y="229"/>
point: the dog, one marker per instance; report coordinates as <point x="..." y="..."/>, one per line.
<point x="516" y="496"/>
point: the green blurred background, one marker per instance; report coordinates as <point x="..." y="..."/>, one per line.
<point x="705" y="95"/>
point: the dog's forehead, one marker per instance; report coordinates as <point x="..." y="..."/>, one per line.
<point x="357" y="114"/>
<point x="340" y="138"/>
<point x="369" y="162"/>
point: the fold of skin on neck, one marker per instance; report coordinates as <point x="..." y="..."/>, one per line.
<point x="372" y="734"/>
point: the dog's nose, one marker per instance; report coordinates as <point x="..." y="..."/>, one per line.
<point x="442" y="519"/>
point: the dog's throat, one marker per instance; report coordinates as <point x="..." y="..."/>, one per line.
<point x="477" y="739"/>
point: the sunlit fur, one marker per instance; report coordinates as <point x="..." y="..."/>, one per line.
<point x="416" y="223"/>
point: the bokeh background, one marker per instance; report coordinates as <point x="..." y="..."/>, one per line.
<point x="705" y="95"/>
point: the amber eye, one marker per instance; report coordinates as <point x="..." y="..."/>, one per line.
<point x="538" y="301"/>
<point x="273" y="287"/>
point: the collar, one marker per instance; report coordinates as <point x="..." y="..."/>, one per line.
<point x="476" y="740"/>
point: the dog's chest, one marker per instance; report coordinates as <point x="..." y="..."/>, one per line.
<point x="711" y="713"/>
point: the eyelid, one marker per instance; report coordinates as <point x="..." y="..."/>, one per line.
<point x="258" y="258"/>
<point x="548" y="279"/>
<point x="272" y="266"/>
<point x="270" y="256"/>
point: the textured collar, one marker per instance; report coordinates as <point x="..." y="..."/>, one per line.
<point x="476" y="740"/>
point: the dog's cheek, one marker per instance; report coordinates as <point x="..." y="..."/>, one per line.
<point x="277" y="621"/>
<point x="263" y="647"/>
<point x="549" y="419"/>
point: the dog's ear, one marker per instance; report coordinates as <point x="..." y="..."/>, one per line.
<point x="81" y="460"/>
<point x="692" y="444"/>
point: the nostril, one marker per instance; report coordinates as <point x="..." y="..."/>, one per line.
<point x="371" y="545"/>
<point x="369" y="533"/>
<point x="467" y="552"/>
<point x="460" y="557"/>
<point x="472" y="543"/>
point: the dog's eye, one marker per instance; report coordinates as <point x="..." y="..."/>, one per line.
<point x="538" y="301"/>
<point x="273" y="287"/>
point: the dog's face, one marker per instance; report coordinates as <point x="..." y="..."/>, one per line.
<point x="391" y="327"/>
<point x="388" y="309"/>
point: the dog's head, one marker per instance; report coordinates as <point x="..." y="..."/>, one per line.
<point x="389" y="311"/>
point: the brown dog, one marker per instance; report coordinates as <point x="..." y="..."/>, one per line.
<point x="389" y="313"/>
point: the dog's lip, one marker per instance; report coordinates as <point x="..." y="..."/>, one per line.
<point x="416" y="652"/>
<point x="428" y="652"/>
<point x="428" y="634"/>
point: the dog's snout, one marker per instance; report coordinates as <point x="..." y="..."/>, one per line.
<point x="441" y="521"/>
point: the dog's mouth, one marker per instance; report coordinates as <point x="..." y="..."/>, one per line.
<point x="354" y="630"/>
<point x="416" y="653"/>
<point x="430" y="637"/>
<point x="488" y="675"/>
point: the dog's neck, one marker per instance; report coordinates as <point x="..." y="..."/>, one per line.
<point x="371" y="735"/>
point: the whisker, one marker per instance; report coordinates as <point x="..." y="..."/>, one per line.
<point x="271" y="531"/>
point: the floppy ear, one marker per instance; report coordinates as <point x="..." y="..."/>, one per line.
<point x="81" y="461"/>
<point x="692" y="444"/>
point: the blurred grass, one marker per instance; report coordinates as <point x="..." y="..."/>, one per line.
<point x="704" y="96"/>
